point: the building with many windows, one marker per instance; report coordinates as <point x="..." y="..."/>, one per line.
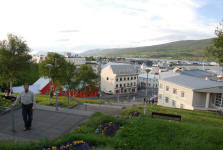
<point x="187" y="92"/>
<point x="119" y="78"/>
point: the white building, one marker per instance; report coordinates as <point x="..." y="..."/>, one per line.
<point x="119" y="78"/>
<point x="153" y="81"/>
<point x="38" y="59"/>
<point x="188" y="92"/>
<point x="77" y="61"/>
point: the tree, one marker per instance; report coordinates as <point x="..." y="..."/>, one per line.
<point x="14" y="59"/>
<point x="69" y="79"/>
<point x="53" y="67"/>
<point x="216" y="50"/>
<point x="57" y="67"/>
<point x="86" y="76"/>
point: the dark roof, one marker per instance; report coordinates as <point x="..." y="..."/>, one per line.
<point x="193" y="82"/>
<point x="123" y="69"/>
<point x="197" y="73"/>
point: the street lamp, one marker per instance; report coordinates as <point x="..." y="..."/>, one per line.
<point x="49" y="68"/>
<point x="147" y="71"/>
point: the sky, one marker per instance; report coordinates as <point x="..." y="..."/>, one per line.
<point x="79" y="25"/>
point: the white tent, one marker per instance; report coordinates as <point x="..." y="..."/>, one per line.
<point x="35" y="88"/>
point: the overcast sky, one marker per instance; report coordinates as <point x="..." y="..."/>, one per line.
<point x="78" y="25"/>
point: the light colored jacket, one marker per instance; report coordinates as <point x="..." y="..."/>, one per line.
<point x="26" y="98"/>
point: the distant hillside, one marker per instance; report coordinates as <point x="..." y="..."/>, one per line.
<point x="178" y="49"/>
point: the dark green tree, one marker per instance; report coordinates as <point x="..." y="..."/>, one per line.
<point x="69" y="80"/>
<point x="216" y="50"/>
<point x="14" y="59"/>
<point x="86" y="76"/>
<point x="53" y="67"/>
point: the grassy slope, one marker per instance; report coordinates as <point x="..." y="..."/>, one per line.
<point x="190" y="48"/>
<point x="197" y="130"/>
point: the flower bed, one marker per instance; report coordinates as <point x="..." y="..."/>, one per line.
<point x="134" y="114"/>
<point x="108" y="128"/>
<point x="71" y="145"/>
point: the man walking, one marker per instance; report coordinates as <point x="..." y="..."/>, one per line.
<point x="27" y="99"/>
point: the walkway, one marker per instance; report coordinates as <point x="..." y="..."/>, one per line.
<point x="47" y="123"/>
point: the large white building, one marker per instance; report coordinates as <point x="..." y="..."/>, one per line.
<point x="119" y="78"/>
<point x="188" y="92"/>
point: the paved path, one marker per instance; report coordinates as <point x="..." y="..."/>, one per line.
<point x="47" y="123"/>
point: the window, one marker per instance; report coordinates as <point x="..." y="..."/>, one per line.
<point x="107" y="78"/>
<point x="120" y="85"/>
<point x="134" y="83"/>
<point x="124" y="84"/>
<point x="128" y="78"/>
<point x="167" y="88"/>
<point x="133" y="90"/>
<point x="174" y="91"/>
<point x="125" y="90"/>
<point x="173" y="103"/>
<point x="161" y="86"/>
<point x="131" y="78"/>
<point x="127" y="84"/>
<point x="134" y="77"/>
<point x="131" y="83"/>
<point x="160" y="96"/>
<point x="124" y="78"/>
<point x="116" y="85"/>
<point x="120" y="79"/>
<point x="117" y="79"/>
<point x="182" y="94"/>
<point x="166" y="99"/>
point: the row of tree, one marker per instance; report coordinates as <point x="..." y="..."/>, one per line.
<point x="17" y="68"/>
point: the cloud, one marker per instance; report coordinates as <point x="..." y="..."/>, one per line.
<point x="69" y="31"/>
<point x="104" y="23"/>
<point x="63" y="40"/>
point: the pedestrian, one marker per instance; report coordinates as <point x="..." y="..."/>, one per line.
<point x="27" y="99"/>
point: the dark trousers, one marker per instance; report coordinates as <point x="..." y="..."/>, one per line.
<point x="27" y="114"/>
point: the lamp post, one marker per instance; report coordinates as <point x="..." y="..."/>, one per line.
<point x="147" y="71"/>
<point x="49" y="68"/>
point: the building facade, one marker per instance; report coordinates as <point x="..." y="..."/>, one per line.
<point x="119" y="78"/>
<point x="188" y="92"/>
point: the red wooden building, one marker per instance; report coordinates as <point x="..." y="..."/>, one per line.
<point x="88" y="91"/>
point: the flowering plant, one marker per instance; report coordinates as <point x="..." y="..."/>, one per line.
<point x="71" y="145"/>
<point x="107" y="128"/>
<point x="134" y="114"/>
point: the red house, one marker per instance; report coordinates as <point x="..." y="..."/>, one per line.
<point x="88" y="91"/>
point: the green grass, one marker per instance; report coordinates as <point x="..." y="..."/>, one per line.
<point x="44" y="100"/>
<point x="5" y="102"/>
<point x="197" y="130"/>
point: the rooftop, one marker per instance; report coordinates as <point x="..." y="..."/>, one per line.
<point x="193" y="82"/>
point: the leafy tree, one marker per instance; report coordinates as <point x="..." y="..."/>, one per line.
<point x="69" y="79"/>
<point x="53" y="67"/>
<point x="86" y="76"/>
<point x="216" y="50"/>
<point x="14" y="59"/>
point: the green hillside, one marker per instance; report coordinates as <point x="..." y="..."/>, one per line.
<point x="178" y="49"/>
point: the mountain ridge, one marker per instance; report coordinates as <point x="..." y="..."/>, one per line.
<point x="175" y="49"/>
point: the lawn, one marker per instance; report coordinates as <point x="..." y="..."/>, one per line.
<point x="197" y="130"/>
<point x="44" y="100"/>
